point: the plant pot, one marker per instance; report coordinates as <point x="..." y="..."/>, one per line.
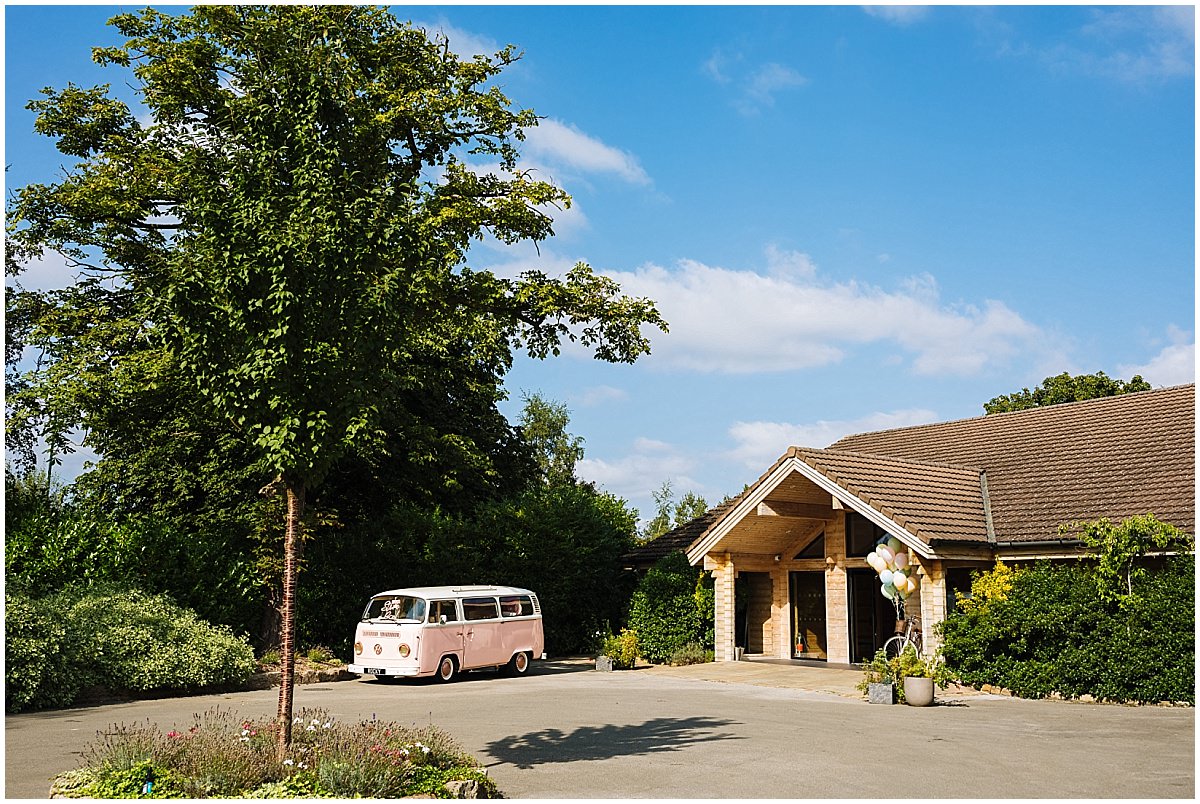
<point x="604" y="664"/>
<point x="881" y="693"/>
<point x="918" y="691"/>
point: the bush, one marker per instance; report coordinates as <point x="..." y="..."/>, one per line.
<point x="120" y="640"/>
<point x="623" y="650"/>
<point x="222" y="756"/>
<point x="671" y="607"/>
<point x="1051" y="632"/>
<point x="691" y="653"/>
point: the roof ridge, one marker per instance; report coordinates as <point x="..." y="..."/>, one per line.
<point x="875" y="456"/>
<point x="1056" y="408"/>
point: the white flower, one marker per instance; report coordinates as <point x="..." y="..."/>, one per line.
<point x="297" y="720"/>
<point x="245" y="732"/>
<point x="302" y="766"/>
<point x="328" y="724"/>
<point x="288" y="762"/>
<point x="311" y="728"/>
<point x="316" y="721"/>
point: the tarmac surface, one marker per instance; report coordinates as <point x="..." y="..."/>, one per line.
<point x="723" y="730"/>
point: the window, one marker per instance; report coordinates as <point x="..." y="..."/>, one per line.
<point x="443" y="608"/>
<point x="395" y="607"/>
<point x="516" y="606"/>
<point x="480" y="608"/>
<point x="861" y="536"/>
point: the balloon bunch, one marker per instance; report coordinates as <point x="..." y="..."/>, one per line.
<point x="894" y="565"/>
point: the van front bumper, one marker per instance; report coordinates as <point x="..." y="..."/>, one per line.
<point x="368" y="670"/>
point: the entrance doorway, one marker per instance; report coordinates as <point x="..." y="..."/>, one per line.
<point x="872" y="616"/>
<point x="807" y="593"/>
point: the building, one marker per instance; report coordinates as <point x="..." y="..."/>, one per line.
<point x="788" y="553"/>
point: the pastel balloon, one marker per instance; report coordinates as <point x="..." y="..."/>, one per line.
<point x="913" y="585"/>
<point x="901" y="560"/>
<point x="885" y="552"/>
<point x="873" y="560"/>
<point x="899" y="579"/>
<point x="895" y="544"/>
<point x="888" y="590"/>
<point x="886" y="577"/>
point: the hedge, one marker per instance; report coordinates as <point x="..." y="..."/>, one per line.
<point x="119" y="640"/>
<point x="671" y="608"/>
<point x="1051" y="632"/>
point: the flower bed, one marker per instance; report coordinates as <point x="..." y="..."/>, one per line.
<point x="223" y="756"/>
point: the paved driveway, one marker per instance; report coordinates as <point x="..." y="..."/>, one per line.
<point x="564" y="732"/>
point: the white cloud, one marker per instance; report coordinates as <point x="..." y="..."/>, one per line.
<point x="51" y="271"/>
<point x="464" y="44"/>
<point x="789" y="264"/>
<point x="759" y="444"/>
<point x="771" y="78"/>
<point x="563" y="144"/>
<point x="645" y="467"/>
<point x="598" y="395"/>
<point x="1129" y="44"/>
<point x="898" y="15"/>
<point x="1175" y="364"/>
<point x="754" y="87"/>
<point x="740" y="322"/>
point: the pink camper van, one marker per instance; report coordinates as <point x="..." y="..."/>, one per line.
<point x="443" y="630"/>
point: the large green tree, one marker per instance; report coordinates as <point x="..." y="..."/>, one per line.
<point x="1065" y="388"/>
<point x="289" y="221"/>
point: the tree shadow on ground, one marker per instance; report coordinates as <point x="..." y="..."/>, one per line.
<point x="605" y="742"/>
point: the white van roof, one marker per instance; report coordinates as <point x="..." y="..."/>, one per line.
<point x="429" y="592"/>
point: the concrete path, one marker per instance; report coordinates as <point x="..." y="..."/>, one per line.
<point x="714" y="731"/>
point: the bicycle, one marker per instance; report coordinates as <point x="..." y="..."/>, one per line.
<point x="909" y="637"/>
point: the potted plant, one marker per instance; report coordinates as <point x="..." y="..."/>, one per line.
<point x="879" y="679"/>
<point x="918" y="676"/>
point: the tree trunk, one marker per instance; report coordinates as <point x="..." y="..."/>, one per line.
<point x="287" y="641"/>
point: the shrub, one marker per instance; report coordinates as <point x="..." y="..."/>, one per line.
<point x="623" y="649"/>
<point x="38" y="671"/>
<point x="121" y="640"/>
<point x="671" y="607"/>
<point x="1052" y="632"/>
<point x="691" y="653"/>
<point x="221" y="755"/>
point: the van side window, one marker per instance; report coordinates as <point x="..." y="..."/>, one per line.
<point x="516" y="606"/>
<point x="443" y="608"/>
<point x="480" y="608"/>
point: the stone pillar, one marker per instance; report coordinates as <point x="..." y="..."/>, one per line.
<point x="781" y="614"/>
<point x="723" y="628"/>
<point x="837" y="593"/>
<point x="933" y="601"/>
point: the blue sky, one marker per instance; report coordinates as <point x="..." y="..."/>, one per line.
<point x="853" y="218"/>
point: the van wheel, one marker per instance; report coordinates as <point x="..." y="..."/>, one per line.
<point x="518" y="665"/>
<point x="447" y="669"/>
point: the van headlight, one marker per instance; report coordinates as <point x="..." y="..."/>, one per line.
<point x="404" y="651"/>
<point x="357" y="648"/>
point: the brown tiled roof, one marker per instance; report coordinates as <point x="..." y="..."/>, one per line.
<point x="681" y="538"/>
<point x="934" y="502"/>
<point x="1113" y="457"/>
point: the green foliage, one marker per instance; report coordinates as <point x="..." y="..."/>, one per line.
<point x="1118" y="548"/>
<point x="1065" y="388"/>
<point x="995" y="584"/>
<point x="671" y="607"/>
<point x="669" y="513"/>
<point x="882" y="670"/>
<point x="1053" y="633"/>
<point x="622" y="649"/>
<point x="120" y="640"/>
<point x="38" y="670"/>
<point x="220" y="756"/>
<point x="544" y="427"/>
<point x="691" y="653"/>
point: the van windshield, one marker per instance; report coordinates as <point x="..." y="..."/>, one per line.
<point x="395" y="607"/>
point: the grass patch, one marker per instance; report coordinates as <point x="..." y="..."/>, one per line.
<point x="223" y="756"/>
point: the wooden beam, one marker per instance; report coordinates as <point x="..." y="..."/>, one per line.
<point x="795" y="510"/>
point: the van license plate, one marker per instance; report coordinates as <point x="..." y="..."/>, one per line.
<point x="374" y="671"/>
